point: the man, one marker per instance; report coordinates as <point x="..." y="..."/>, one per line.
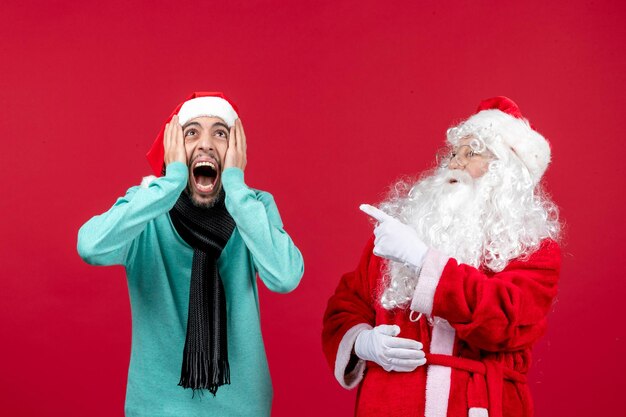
<point x="440" y="316"/>
<point x="192" y="242"/>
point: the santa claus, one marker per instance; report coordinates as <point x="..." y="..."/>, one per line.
<point x="440" y="316"/>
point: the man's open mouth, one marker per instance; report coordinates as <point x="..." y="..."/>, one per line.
<point x="453" y="181"/>
<point x="204" y="176"/>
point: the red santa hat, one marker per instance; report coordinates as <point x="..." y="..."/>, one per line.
<point x="502" y="118"/>
<point x="198" y="104"/>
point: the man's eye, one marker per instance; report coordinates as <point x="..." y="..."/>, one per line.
<point x="190" y="132"/>
<point x="221" y="134"/>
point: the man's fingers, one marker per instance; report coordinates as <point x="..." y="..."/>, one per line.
<point x="237" y="136"/>
<point x="178" y="130"/>
<point x="170" y="134"/>
<point x="241" y="136"/>
<point x="232" y="138"/>
<point x="173" y="123"/>
<point x="374" y="212"/>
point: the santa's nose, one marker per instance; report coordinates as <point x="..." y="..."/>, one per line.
<point x="454" y="164"/>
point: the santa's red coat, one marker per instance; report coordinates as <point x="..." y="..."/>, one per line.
<point x="477" y="330"/>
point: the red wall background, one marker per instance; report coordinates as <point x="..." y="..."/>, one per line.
<point x="338" y="99"/>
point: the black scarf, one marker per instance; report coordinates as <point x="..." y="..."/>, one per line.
<point x="206" y="230"/>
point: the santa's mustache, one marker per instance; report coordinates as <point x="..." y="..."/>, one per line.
<point x="455" y="176"/>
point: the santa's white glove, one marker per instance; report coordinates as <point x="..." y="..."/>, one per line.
<point x="392" y="353"/>
<point x="395" y="240"/>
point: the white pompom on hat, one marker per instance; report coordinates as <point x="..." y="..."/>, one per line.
<point x="214" y="104"/>
<point x="500" y="116"/>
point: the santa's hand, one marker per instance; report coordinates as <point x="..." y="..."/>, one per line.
<point x="392" y="353"/>
<point x="395" y="240"/>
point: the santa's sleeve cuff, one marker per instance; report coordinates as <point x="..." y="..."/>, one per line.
<point x="344" y="353"/>
<point x="424" y="295"/>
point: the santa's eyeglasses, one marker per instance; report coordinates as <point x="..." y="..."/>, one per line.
<point x="463" y="155"/>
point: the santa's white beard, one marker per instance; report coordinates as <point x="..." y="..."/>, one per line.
<point x="480" y="222"/>
<point x="446" y="210"/>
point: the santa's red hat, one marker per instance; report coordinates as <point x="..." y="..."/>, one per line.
<point x="501" y="120"/>
<point x="196" y="105"/>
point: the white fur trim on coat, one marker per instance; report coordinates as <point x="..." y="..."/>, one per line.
<point x="439" y="378"/>
<point x="344" y="352"/>
<point x="478" y="412"/>
<point x="424" y="294"/>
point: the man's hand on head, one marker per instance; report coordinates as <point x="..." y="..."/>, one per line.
<point x="174" y="143"/>
<point x="236" y="153"/>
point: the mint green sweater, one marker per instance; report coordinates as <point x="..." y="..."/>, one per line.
<point x="137" y="232"/>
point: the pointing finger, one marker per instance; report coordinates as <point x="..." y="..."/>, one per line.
<point x="374" y="212"/>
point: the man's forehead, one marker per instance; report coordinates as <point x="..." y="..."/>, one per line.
<point x="206" y="122"/>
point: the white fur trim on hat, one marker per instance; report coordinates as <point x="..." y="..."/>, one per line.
<point x="207" y="106"/>
<point x="529" y="145"/>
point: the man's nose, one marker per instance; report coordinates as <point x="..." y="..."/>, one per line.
<point x="206" y="142"/>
